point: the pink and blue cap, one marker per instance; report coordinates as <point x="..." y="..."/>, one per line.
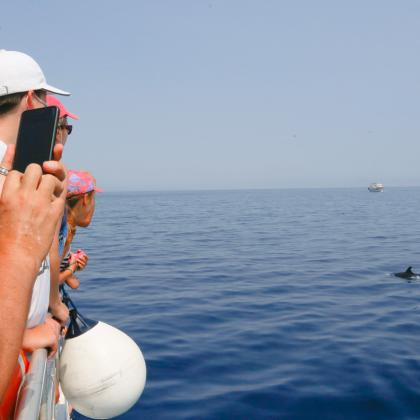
<point x="80" y="182"/>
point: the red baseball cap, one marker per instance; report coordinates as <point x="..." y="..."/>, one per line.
<point x="53" y="101"/>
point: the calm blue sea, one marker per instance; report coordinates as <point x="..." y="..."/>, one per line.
<point x="262" y="304"/>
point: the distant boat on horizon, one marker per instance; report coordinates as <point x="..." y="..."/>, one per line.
<point x="376" y="187"/>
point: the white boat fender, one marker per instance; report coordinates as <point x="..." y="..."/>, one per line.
<point x="102" y="370"/>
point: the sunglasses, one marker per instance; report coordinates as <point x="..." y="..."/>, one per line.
<point x="68" y="127"/>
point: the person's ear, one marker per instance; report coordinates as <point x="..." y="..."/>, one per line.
<point x="24" y="103"/>
<point x="29" y="100"/>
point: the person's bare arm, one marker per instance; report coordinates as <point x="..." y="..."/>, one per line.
<point x="68" y="273"/>
<point x="18" y="271"/>
<point x="73" y="282"/>
<point x="30" y="206"/>
<point x="57" y="308"/>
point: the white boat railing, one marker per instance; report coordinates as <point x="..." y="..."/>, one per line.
<point x="37" y="396"/>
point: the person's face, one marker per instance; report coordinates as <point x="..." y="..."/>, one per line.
<point x="90" y="207"/>
<point x="62" y="131"/>
<point x="86" y="209"/>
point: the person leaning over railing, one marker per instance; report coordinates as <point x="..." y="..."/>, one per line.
<point x="80" y="204"/>
<point x="23" y="87"/>
<point x="45" y="335"/>
<point x="31" y="205"/>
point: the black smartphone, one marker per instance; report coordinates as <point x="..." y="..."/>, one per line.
<point x="36" y="137"/>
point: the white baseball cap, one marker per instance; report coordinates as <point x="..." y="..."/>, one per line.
<point x="21" y="73"/>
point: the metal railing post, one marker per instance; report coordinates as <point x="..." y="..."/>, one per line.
<point x="48" y="393"/>
<point x="31" y="393"/>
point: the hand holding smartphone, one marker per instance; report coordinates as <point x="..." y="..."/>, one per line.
<point x="36" y="137"/>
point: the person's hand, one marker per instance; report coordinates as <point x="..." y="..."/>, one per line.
<point x="42" y="336"/>
<point x="7" y="162"/>
<point x="82" y="262"/>
<point x="58" y="170"/>
<point x="60" y="312"/>
<point x="30" y="207"/>
<point x="49" y="167"/>
<point x="54" y="328"/>
<point x="81" y="259"/>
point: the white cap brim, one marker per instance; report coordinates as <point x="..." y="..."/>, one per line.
<point x="55" y="90"/>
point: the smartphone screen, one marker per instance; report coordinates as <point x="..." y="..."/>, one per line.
<point x="36" y="137"/>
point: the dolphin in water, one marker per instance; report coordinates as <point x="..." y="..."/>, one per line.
<point x="407" y="274"/>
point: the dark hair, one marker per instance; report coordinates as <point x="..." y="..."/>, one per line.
<point x="9" y="102"/>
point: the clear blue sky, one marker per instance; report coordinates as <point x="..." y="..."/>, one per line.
<point x="232" y="94"/>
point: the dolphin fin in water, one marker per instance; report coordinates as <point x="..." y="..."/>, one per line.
<point x="407" y="274"/>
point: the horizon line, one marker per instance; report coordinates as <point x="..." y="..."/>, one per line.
<point x="247" y="189"/>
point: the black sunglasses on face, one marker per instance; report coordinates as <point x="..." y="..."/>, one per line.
<point x="68" y="127"/>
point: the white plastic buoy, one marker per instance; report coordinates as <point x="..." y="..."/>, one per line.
<point x="102" y="370"/>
